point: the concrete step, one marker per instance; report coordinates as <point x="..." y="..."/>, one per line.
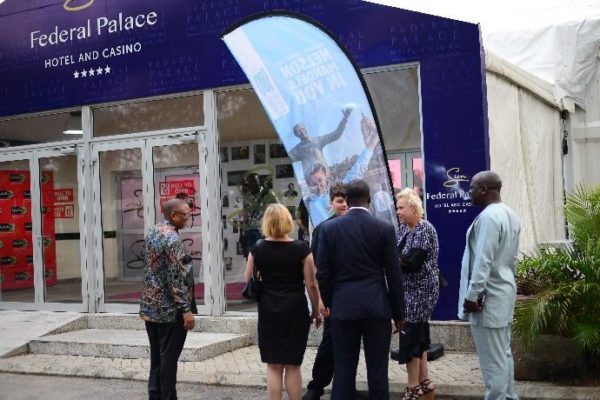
<point x="455" y="336"/>
<point x="133" y="344"/>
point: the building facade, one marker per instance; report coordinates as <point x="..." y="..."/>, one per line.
<point x="108" y="108"/>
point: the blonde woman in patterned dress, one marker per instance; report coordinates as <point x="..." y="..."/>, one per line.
<point x="418" y="250"/>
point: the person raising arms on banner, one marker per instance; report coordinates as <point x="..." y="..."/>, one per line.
<point x="310" y="149"/>
<point x="319" y="177"/>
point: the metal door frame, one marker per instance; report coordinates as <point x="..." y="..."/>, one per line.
<point x="145" y="143"/>
<point x="33" y="156"/>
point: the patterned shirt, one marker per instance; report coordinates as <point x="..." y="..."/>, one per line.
<point x="168" y="276"/>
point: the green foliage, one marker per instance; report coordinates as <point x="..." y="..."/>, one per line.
<point x="563" y="281"/>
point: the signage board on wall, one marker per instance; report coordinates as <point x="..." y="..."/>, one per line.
<point x="64" y="211"/>
<point x="63" y="195"/>
<point x="177" y="187"/>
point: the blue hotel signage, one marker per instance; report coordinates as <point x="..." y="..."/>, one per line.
<point x="64" y="53"/>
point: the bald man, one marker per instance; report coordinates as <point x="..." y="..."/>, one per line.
<point x="488" y="287"/>
<point x="167" y="304"/>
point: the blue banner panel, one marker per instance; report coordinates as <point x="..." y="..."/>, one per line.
<point x="317" y="103"/>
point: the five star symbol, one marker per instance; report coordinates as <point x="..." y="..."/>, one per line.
<point x="84" y="73"/>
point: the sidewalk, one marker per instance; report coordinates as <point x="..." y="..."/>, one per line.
<point x="456" y="375"/>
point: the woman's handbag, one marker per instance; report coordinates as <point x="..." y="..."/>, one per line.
<point x="411" y="262"/>
<point x="254" y="287"/>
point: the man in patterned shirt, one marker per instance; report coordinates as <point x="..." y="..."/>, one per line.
<point x="168" y="298"/>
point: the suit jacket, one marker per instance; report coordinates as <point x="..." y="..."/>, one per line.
<point x="358" y="268"/>
<point x="491" y="250"/>
<point x="314" y="244"/>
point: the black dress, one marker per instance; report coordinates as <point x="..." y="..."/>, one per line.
<point x="283" y="318"/>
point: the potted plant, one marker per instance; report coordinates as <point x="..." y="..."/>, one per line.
<point x="558" y="324"/>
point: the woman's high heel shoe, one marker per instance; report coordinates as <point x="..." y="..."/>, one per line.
<point x="413" y="393"/>
<point x="427" y="389"/>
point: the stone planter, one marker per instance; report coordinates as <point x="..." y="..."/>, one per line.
<point x="549" y="358"/>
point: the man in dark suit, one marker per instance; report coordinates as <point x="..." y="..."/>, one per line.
<point x="361" y="287"/>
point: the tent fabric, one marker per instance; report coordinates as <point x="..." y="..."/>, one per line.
<point x="525" y="149"/>
<point x="564" y="55"/>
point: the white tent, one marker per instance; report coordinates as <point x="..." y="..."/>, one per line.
<point x="525" y="133"/>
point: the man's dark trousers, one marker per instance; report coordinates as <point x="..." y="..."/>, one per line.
<point x="346" y="337"/>
<point x="322" y="371"/>
<point x="166" y="343"/>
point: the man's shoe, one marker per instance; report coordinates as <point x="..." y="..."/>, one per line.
<point x="311" y="395"/>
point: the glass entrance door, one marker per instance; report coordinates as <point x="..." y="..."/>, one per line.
<point x="406" y="168"/>
<point x="133" y="179"/>
<point x="41" y="263"/>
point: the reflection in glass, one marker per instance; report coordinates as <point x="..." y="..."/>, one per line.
<point x="396" y="172"/>
<point x="122" y="205"/>
<point x="400" y="123"/>
<point x="176" y="112"/>
<point x="16" y="242"/>
<point x="176" y="175"/>
<point x="60" y="227"/>
<point x="399" y="115"/>
<point x="417" y="169"/>
<point x="249" y="145"/>
<point x="41" y="129"/>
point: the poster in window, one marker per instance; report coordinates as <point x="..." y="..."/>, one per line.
<point x="259" y="154"/>
<point x="284" y="171"/>
<point x="234" y="178"/>
<point x="224" y="154"/>
<point x="240" y="153"/>
<point x="277" y="150"/>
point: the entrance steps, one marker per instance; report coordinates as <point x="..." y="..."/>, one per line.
<point x="124" y="337"/>
<point x="127" y="344"/>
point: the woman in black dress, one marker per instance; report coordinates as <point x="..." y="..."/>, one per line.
<point x="286" y="267"/>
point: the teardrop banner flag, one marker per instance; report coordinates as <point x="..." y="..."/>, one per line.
<point x="319" y="106"/>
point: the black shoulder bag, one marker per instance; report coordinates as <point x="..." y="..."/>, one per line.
<point x="412" y="262"/>
<point x="254" y="287"/>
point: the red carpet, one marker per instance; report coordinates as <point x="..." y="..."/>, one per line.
<point x="233" y="291"/>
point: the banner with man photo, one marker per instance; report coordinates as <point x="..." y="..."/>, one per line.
<point x="317" y="102"/>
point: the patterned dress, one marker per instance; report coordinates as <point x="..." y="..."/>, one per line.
<point x="168" y="276"/>
<point x="421" y="289"/>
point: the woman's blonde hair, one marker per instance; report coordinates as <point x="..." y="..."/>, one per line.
<point x="413" y="200"/>
<point x="277" y="221"/>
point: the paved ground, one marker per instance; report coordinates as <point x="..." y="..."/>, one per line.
<point x="242" y="366"/>
<point x="456" y="375"/>
<point x="29" y="387"/>
<point x="19" y="327"/>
